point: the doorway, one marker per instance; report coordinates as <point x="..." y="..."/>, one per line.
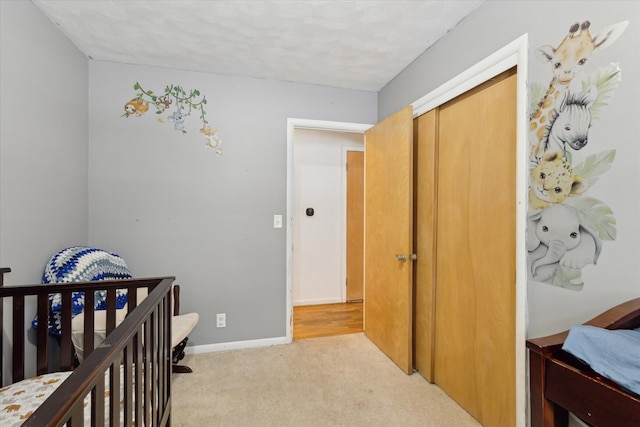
<point x="317" y="223"/>
<point x="327" y="320"/>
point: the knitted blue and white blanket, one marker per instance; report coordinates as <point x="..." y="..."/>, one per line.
<point x="82" y="264"/>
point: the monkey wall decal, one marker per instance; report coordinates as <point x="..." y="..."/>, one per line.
<point x="183" y="104"/>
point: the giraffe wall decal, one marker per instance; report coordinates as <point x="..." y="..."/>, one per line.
<point x="566" y="224"/>
<point x="567" y="60"/>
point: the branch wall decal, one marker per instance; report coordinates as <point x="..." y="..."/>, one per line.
<point x="186" y="103"/>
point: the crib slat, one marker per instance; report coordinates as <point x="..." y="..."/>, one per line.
<point x="128" y="384"/>
<point x="111" y="310"/>
<point x="18" y="338"/>
<point x="77" y="416"/>
<point x="147" y="370"/>
<point x="154" y="361"/>
<point x="3" y="271"/>
<point x="132" y="298"/>
<point x="163" y="354"/>
<point x="1" y="340"/>
<point x="42" y="335"/>
<point x="167" y="338"/>
<point x="138" y="376"/>
<point x="97" y="403"/>
<point x="114" y="393"/>
<point x="66" y="353"/>
<point x="89" y="321"/>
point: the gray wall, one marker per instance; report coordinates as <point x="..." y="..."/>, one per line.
<point x="491" y="27"/>
<point x="43" y="146"/>
<point x="170" y="206"/>
<point x="43" y="141"/>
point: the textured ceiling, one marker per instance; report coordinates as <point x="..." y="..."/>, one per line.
<point x="348" y="44"/>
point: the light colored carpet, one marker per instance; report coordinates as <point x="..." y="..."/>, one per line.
<point x="334" y="381"/>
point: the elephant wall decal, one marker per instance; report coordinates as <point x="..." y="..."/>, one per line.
<point x="566" y="225"/>
<point x="556" y="238"/>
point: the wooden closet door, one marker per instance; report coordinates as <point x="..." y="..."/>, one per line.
<point x="388" y="303"/>
<point x="475" y="251"/>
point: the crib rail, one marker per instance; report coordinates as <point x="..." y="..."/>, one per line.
<point x="141" y="345"/>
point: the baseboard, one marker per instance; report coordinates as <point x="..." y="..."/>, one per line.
<point x="235" y="345"/>
<point x="317" y="301"/>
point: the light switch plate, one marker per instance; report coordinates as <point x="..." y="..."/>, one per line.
<point x="221" y="320"/>
<point x="277" y="221"/>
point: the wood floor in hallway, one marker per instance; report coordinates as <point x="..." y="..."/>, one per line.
<point x="312" y="321"/>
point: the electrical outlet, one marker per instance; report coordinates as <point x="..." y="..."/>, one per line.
<point x="221" y="320"/>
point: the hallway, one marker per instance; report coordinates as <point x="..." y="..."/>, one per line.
<point x="312" y="321"/>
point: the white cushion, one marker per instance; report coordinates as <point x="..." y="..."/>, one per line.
<point x="99" y="329"/>
<point x="181" y="326"/>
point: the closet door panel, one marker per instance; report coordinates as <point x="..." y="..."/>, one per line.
<point x="425" y="142"/>
<point x="475" y="296"/>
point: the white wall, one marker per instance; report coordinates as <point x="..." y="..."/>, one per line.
<point x="319" y="183"/>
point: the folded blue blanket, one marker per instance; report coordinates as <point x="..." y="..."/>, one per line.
<point x="614" y="354"/>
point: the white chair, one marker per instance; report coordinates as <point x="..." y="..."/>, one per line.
<point x="181" y="327"/>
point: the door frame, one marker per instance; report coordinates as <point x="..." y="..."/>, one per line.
<point x="513" y="54"/>
<point x="292" y="125"/>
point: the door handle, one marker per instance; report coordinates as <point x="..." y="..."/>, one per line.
<point x="403" y="257"/>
